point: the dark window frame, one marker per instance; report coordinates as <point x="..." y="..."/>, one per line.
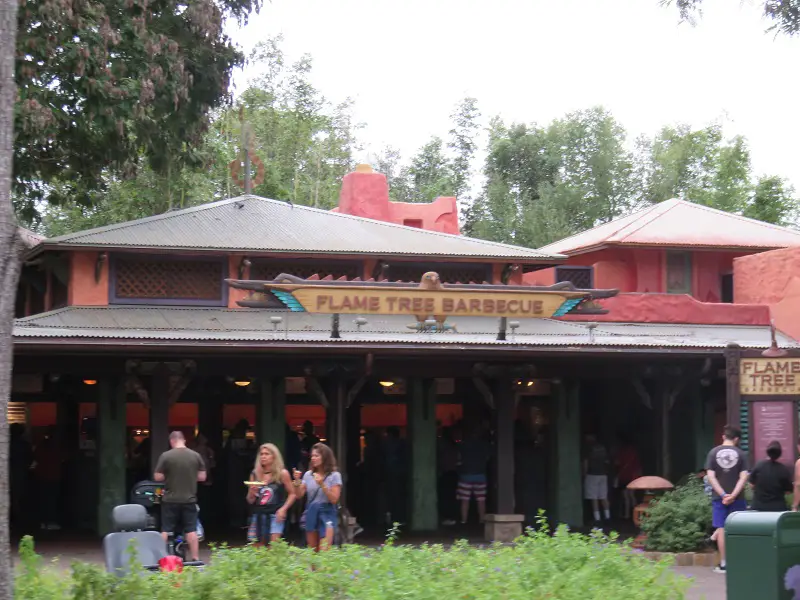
<point x="688" y="271"/>
<point x="427" y="266"/>
<point x="590" y="269"/>
<point x="116" y="258"/>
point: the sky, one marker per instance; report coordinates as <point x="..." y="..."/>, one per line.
<point x="407" y="63"/>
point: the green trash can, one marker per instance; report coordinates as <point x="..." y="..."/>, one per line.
<point x="763" y="555"/>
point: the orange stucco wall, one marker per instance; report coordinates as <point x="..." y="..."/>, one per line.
<point x="367" y="195"/>
<point x="83" y="289"/>
<point x="771" y="278"/>
<point x="643" y="270"/>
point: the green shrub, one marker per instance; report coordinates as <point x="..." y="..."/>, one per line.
<point x="679" y="520"/>
<point x="562" y="566"/>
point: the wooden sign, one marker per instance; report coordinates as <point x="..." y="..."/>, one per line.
<point x="769" y="376"/>
<point x="773" y="421"/>
<point x="428" y="303"/>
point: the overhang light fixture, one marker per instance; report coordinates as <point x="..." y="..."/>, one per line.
<point x="90" y="381"/>
<point x="386" y="384"/>
<point x="241" y="382"/>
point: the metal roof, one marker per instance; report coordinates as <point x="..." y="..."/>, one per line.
<point x="254" y="224"/>
<point x="680" y="224"/>
<point x="246" y="326"/>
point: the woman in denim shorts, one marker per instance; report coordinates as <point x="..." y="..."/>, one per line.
<point x="322" y="485"/>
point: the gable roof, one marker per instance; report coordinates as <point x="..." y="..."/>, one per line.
<point x="255" y="224"/>
<point x="679" y="223"/>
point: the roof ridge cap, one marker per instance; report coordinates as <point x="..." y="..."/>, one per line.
<point x="741" y="217"/>
<point x="658" y="209"/>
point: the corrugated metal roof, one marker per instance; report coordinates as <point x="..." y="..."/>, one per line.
<point x="254" y="224"/>
<point x="680" y="223"/>
<point x="243" y="325"/>
<point x="29" y="238"/>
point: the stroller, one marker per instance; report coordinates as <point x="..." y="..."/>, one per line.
<point x="129" y="522"/>
<point x="148" y="494"/>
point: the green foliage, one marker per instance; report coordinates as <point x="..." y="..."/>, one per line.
<point x="105" y="84"/>
<point x="563" y="565"/>
<point x="679" y="520"/>
<point x="785" y="14"/>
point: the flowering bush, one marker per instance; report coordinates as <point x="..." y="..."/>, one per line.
<point x="680" y="520"/>
<point x="563" y="565"/>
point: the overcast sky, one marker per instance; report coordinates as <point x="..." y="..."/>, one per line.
<point x="406" y="63"/>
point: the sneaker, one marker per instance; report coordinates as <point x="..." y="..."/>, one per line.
<point x="719" y="569"/>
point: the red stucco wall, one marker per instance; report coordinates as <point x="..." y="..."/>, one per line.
<point x="83" y="289"/>
<point x="771" y="278"/>
<point x="366" y="194"/>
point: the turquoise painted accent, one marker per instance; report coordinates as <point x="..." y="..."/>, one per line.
<point x="567" y="306"/>
<point x="289" y="300"/>
<point x="744" y="425"/>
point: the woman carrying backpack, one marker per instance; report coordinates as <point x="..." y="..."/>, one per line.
<point x="322" y="484"/>
<point x="271" y="495"/>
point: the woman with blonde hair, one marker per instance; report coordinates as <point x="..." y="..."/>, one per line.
<point x="271" y="494"/>
<point x="322" y="483"/>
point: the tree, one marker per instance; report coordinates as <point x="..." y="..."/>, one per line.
<point x="462" y="145"/>
<point x="785" y="14"/>
<point x="10" y="251"/>
<point x="105" y="85"/>
<point x="773" y="201"/>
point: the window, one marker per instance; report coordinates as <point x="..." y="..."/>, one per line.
<point x="453" y="273"/>
<point x="679" y="273"/>
<point x="267" y="270"/>
<point x="726" y="288"/>
<point x="167" y="280"/>
<point x="581" y="277"/>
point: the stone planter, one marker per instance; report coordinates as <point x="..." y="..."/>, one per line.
<point x="503" y="528"/>
<point x="687" y="559"/>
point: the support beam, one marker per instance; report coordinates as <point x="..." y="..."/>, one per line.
<point x="733" y="400"/>
<point x="112" y="418"/>
<point x="159" y="416"/>
<point x="568" y="496"/>
<point x="504" y="451"/>
<point x="703" y="425"/>
<point x="422" y="437"/>
<point x="336" y="426"/>
<point x="271" y="413"/>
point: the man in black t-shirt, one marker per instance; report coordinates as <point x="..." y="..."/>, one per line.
<point x="726" y="468"/>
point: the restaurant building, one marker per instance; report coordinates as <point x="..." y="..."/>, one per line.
<point x="256" y="310"/>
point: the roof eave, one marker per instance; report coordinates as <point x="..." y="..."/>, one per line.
<point x="541" y="262"/>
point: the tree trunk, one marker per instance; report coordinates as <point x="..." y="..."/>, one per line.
<point x="10" y="251"/>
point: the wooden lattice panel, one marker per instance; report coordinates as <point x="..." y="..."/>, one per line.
<point x="165" y="280"/>
<point x="459" y="274"/>
<point x="580" y="277"/>
<point x="269" y="270"/>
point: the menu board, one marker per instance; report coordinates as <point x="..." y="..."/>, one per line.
<point x="774" y="421"/>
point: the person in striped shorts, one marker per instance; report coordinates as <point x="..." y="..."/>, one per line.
<point x="474" y="454"/>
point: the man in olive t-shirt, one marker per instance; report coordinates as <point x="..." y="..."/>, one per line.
<point x="180" y="469"/>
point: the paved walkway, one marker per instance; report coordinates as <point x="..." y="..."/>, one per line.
<point x="707" y="584"/>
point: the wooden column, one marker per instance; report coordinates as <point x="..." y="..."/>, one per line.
<point x="271" y="413"/>
<point x="209" y="420"/>
<point x="112" y="418"/>
<point x="336" y="427"/>
<point x="159" y="415"/>
<point x="422" y="438"/>
<point x="733" y="400"/>
<point x="703" y="425"/>
<point x="568" y="496"/>
<point x="504" y="445"/>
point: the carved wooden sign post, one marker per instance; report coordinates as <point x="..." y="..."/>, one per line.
<point x="772" y="388"/>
